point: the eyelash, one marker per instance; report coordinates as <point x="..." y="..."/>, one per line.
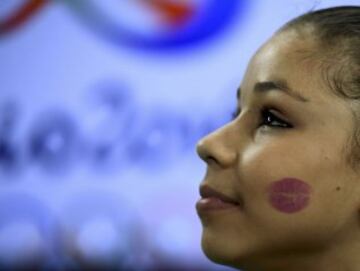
<point x="265" y="114"/>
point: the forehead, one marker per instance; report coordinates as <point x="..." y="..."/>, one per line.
<point x="290" y="57"/>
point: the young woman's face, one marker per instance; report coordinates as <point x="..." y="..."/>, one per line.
<point x="282" y="163"/>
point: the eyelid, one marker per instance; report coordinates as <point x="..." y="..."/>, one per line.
<point x="266" y="110"/>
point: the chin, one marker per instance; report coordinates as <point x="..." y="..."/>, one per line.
<point x="231" y="258"/>
<point x="222" y="251"/>
<point x="233" y="252"/>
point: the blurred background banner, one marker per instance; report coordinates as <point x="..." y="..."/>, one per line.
<point x="101" y="106"/>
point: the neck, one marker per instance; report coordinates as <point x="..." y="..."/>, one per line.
<point x="339" y="257"/>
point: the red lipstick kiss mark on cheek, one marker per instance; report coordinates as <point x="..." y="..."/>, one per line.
<point x="289" y="195"/>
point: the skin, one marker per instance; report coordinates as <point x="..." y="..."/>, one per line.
<point x="246" y="158"/>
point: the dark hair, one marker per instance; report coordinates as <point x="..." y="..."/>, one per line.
<point x="337" y="31"/>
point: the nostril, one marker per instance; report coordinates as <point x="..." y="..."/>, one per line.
<point x="211" y="160"/>
<point x="206" y="156"/>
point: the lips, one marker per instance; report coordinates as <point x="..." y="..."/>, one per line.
<point x="208" y="192"/>
<point x="213" y="202"/>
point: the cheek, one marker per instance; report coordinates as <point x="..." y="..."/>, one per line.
<point x="289" y="195"/>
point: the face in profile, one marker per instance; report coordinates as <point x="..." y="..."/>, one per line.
<point x="278" y="188"/>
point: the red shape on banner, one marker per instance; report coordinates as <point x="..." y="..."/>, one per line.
<point x="174" y="14"/>
<point x="21" y="15"/>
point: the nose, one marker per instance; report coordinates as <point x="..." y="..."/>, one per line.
<point x="219" y="147"/>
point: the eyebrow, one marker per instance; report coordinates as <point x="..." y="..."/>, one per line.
<point x="276" y="85"/>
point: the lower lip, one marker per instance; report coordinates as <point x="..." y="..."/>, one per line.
<point x="213" y="204"/>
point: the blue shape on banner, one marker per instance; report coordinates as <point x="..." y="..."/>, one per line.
<point x="158" y="140"/>
<point x="52" y="141"/>
<point x="108" y="124"/>
<point x="9" y="153"/>
<point x="147" y="24"/>
<point x="157" y="24"/>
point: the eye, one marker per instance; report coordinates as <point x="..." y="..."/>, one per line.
<point x="271" y="120"/>
<point x="268" y="119"/>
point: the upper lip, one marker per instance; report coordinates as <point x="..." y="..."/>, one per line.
<point x="207" y="192"/>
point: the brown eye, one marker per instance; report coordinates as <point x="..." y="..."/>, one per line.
<point x="271" y="120"/>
